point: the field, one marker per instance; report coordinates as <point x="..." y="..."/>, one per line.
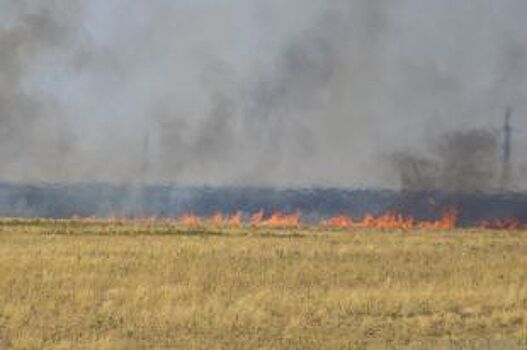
<point x="96" y="285"/>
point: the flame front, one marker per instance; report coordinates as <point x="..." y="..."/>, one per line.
<point x="190" y="220"/>
<point x="389" y="221"/>
<point x="279" y="219"/>
<point x="394" y="221"/>
<point x="503" y="224"/>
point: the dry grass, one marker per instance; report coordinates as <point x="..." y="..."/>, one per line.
<point x="75" y="285"/>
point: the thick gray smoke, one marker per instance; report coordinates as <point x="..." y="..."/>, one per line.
<point x="298" y="92"/>
<point x="458" y="161"/>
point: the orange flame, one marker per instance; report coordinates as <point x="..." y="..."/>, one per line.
<point x="447" y="222"/>
<point x="393" y="221"/>
<point x="340" y="221"/>
<point x="503" y="224"/>
<point x="279" y="219"/>
<point x="217" y="219"/>
<point x="388" y="221"/>
<point x="190" y="220"/>
<point x="256" y="218"/>
<point x="235" y="220"/>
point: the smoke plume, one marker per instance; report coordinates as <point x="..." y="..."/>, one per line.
<point x="458" y="161"/>
<point x="279" y="93"/>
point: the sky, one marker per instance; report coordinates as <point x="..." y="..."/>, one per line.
<point x="243" y="92"/>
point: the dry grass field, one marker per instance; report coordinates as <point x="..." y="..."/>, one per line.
<point x="80" y="285"/>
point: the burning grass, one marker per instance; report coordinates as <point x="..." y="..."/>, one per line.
<point x="281" y="220"/>
<point x="155" y="284"/>
<point x="449" y="220"/>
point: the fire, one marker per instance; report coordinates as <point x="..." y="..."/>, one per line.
<point x="388" y="221"/>
<point x="503" y="224"/>
<point x="235" y="220"/>
<point x="276" y="219"/>
<point x="393" y="221"/>
<point x="190" y="220"/>
<point x="217" y="220"/>
<point x="279" y="219"/>
<point x="257" y="218"/>
<point x="340" y="221"/>
<point x="447" y="222"/>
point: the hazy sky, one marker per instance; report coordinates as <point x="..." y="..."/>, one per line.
<point x="273" y="92"/>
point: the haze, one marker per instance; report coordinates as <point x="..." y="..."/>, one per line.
<point x="268" y="92"/>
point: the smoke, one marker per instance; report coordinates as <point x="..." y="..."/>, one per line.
<point x="458" y="161"/>
<point x="295" y="93"/>
<point x="33" y="136"/>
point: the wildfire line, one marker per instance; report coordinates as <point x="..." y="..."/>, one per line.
<point x="388" y="221"/>
<point x="277" y="219"/>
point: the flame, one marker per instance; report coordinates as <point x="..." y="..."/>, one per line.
<point x="340" y="221"/>
<point x="394" y="221"/>
<point x="256" y="218"/>
<point x="218" y="219"/>
<point x="276" y="219"/>
<point x="388" y="221"/>
<point x="503" y="224"/>
<point x="447" y="222"/>
<point x="279" y="219"/>
<point x="190" y="220"/>
<point x="235" y="220"/>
